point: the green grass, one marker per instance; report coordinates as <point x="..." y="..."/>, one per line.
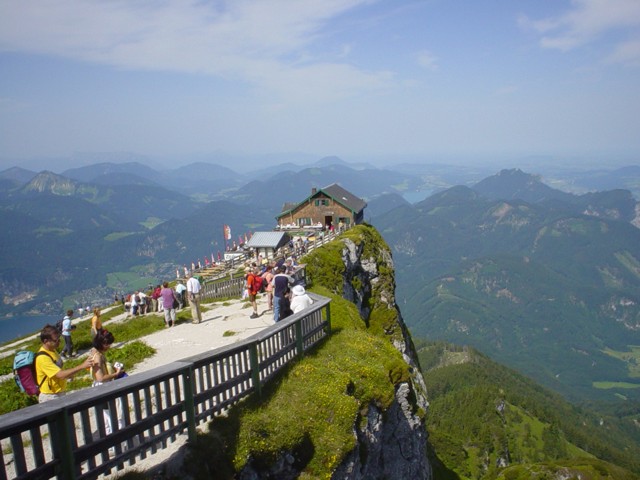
<point x="59" y="231"/>
<point x="312" y="407"/>
<point x="609" y="385"/>
<point x="112" y="237"/>
<point x="630" y="357"/>
<point x="132" y="280"/>
<point x="341" y="379"/>
<point x="151" y="222"/>
<point x="584" y="468"/>
<point x="130" y="354"/>
<point x="11" y="398"/>
<point x="629" y="261"/>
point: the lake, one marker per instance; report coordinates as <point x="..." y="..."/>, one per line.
<point x="20" y="325"/>
<point x="415" y="197"/>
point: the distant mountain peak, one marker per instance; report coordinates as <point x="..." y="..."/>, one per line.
<point x="17" y="174"/>
<point x="513" y="183"/>
<point x="47" y="181"/>
<point x="330" y="160"/>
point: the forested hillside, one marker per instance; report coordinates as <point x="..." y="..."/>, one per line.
<point x="354" y="407"/>
<point x="486" y="421"/>
<point x="550" y="287"/>
<point x="110" y="228"/>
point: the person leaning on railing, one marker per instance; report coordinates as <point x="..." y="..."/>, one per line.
<point x="49" y="373"/>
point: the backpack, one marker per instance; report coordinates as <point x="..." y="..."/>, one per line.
<point x="258" y="284"/>
<point x="24" y="371"/>
<point x="59" y="326"/>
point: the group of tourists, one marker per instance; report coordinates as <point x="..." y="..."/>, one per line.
<point x="156" y="300"/>
<point x="50" y="374"/>
<point x="284" y="297"/>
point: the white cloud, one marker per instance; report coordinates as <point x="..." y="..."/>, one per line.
<point x="427" y="60"/>
<point x="262" y="42"/>
<point x="627" y="53"/>
<point x="588" y="21"/>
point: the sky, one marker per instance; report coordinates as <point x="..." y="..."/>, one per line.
<point x="359" y="79"/>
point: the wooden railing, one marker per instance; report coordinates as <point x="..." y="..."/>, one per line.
<point x="67" y="438"/>
<point x="223" y="289"/>
<point x="227" y="267"/>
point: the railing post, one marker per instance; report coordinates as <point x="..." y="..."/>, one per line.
<point x="328" y="315"/>
<point x="299" y="339"/>
<point x="255" y="368"/>
<point x="188" y="385"/>
<point x="63" y="444"/>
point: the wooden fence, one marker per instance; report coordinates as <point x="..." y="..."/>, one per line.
<point x="232" y="288"/>
<point x="228" y="267"/>
<point x="69" y="438"/>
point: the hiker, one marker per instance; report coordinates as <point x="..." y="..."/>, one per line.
<point x="193" y="292"/>
<point x="101" y="373"/>
<point x="99" y="370"/>
<point x="254" y="285"/>
<point x="268" y="276"/>
<point x="67" y="326"/>
<point x="299" y="299"/>
<point x="280" y="282"/>
<point x="169" y="301"/>
<point x="180" y="291"/>
<point x="96" y="323"/>
<point x="49" y="373"/>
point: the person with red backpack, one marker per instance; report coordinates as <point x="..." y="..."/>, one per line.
<point x="254" y="286"/>
<point x="155" y="296"/>
<point x="50" y="376"/>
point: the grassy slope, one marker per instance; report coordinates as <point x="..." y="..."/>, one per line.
<point x="536" y="431"/>
<point x="312" y="408"/>
<point x="131" y="353"/>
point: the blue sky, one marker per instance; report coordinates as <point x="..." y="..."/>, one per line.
<point x="361" y="79"/>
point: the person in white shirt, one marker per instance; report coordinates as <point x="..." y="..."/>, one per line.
<point x="300" y="300"/>
<point x="180" y="291"/>
<point x="193" y="292"/>
<point x="142" y="304"/>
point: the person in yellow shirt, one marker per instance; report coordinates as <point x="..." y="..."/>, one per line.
<point x="96" y="323"/>
<point x="49" y="373"/>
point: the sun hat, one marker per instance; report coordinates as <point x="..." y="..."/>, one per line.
<point x="298" y="290"/>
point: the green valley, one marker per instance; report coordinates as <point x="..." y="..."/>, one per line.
<point x="486" y="421"/>
<point x="539" y="285"/>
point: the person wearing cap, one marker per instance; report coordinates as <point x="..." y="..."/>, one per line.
<point x="299" y="299"/>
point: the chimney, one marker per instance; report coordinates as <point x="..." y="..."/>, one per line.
<point x="314" y="190"/>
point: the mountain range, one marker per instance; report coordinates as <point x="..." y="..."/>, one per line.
<point x="542" y="280"/>
<point x="89" y="232"/>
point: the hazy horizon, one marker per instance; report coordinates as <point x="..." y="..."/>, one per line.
<point x="242" y="163"/>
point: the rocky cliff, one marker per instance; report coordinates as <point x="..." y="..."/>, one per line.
<point x="394" y="441"/>
<point x="389" y="440"/>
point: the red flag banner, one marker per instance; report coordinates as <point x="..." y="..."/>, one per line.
<point x="227" y="232"/>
